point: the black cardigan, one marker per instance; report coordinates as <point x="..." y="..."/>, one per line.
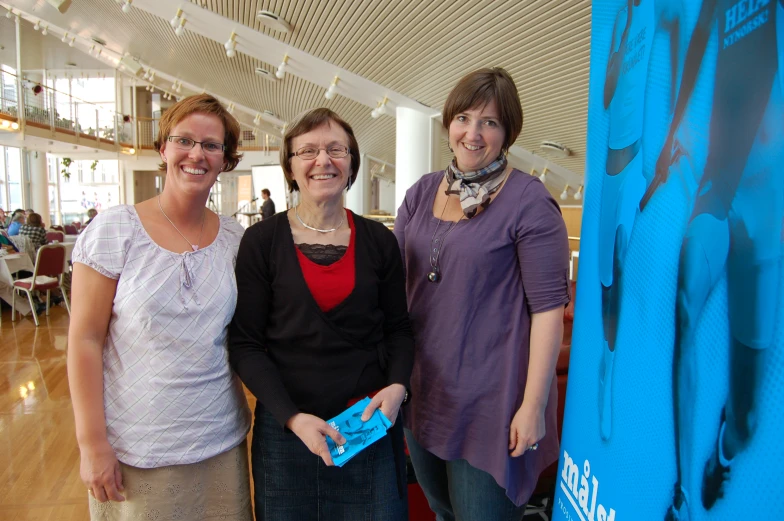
<point x="295" y="358"/>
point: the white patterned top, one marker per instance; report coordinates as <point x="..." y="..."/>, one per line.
<point x="170" y="395"/>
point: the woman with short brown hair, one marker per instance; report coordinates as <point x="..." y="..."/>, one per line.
<point x="161" y="420"/>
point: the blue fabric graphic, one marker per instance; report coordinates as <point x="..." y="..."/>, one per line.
<point x="678" y="331"/>
<point x="359" y="435"/>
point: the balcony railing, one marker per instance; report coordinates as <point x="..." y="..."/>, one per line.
<point x="60" y="112"/>
<point x="57" y="111"/>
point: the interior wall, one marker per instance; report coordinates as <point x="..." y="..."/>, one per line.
<point x="144" y="184"/>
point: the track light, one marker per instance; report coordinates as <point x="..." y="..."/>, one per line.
<point x="152" y="75"/>
<point x="92" y="49"/>
<point x="565" y="193"/>
<point x="257" y="119"/>
<point x="579" y="193"/>
<point x="146" y="74"/>
<point x="176" y="19"/>
<point x="281" y="72"/>
<point x="72" y="42"/>
<point x="97" y="54"/>
<point x="332" y="88"/>
<point x="9" y="13"/>
<point x="65" y="38"/>
<point x="179" y="88"/>
<point x="45" y="31"/>
<point x="126" y="8"/>
<point x="543" y="177"/>
<point x="180" y="28"/>
<point x="37" y="25"/>
<point x="231" y="45"/>
<point x="380" y="109"/>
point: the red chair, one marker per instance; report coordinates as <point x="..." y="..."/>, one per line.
<point x="57" y="227"/>
<point x="48" y="275"/>
<point x="77" y="225"/>
<point x="70" y="229"/>
<point x="54" y="236"/>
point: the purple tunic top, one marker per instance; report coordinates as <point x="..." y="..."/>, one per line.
<point x="472" y="328"/>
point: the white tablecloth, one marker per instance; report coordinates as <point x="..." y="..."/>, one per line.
<point x="10" y="264"/>
<point x="71" y="238"/>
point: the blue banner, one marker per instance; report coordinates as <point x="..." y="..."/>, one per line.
<point x="675" y="398"/>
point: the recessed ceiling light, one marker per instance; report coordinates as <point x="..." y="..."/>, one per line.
<point x="264" y="73"/>
<point x="70" y="64"/>
<point x="99" y="41"/>
<point x="273" y="21"/>
<point x="554" y="148"/>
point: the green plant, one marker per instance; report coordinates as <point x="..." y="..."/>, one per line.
<point x="66" y="163"/>
<point x="94" y="165"/>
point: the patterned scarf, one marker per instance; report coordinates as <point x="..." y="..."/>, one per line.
<point x="475" y="188"/>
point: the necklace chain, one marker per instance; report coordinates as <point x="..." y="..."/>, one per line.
<point x="434" y="275"/>
<point x="296" y="212"/>
<point x="203" y="215"/>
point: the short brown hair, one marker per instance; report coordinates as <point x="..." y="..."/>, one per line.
<point x="204" y="104"/>
<point x="477" y="89"/>
<point x="304" y="123"/>
<point x="34" y="219"/>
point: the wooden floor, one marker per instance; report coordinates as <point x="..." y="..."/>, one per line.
<point x="39" y="458"/>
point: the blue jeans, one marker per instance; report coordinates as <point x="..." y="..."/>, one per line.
<point x="455" y="490"/>
<point x="292" y="484"/>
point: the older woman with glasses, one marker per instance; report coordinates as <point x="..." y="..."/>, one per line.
<point x="486" y="255"/>
<point x="321" y="321"/>
<point x="161" y="420"/>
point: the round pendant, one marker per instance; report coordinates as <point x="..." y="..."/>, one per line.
<point x="433" y="276"/>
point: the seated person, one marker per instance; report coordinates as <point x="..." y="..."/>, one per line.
<point x="91" y="213"/>
<point x="34" y="229"/>
<point x="17" y="221"/>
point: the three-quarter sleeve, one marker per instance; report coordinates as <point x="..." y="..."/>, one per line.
<point x="247" y="351"/>
<point x="398" y="335"/>
<point x="401" y="220"/>
<point x="542" y="249"/>
<point x="103" y="246"/>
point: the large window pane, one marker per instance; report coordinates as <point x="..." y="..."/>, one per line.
<point x="13" y="158"/>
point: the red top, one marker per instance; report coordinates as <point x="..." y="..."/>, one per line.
<point x="330" y="285"/>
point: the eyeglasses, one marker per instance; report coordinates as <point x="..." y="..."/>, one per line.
<point x="310" y="152"/>
<point x="186" y="143"/>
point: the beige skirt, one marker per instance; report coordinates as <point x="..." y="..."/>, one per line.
<point x="217" y="488"/>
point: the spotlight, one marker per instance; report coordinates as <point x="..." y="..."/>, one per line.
<point x="126" y="8"/>
<point x="231" y="45"/>
<point x="543" y="177"/>
<point x="579" y="193"/>
<point x="37" y="25"/>
<point x="565" y="193"/>
<point x="45" y="31"/>
<point x="5" y="123"/>
<point x="90" y="52"/>
<point x="380" y="109"/>
<point x="72" y="42"/>
<point x="14" y="126"/>
<point x="176" y="19"/>
<point x="332" y="88"/>
<point x="9" y="13"/>
<point x="65" y="38"/>
<point x="281" y="72"/>
<point x="180" y="28"/>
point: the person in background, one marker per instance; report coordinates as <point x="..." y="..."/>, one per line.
<point x="486" y="256"/>
<point x="161" y="420"/>
<point x="268" y="207"/>
<point x="2" y="219"/>
<point x="321" y="321"/>
<point x="91" y="213"/>
<point x="35" y="229"/>
<point x="17" y="220"/>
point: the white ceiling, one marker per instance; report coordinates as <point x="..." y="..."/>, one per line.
<point x="412" y="51"/>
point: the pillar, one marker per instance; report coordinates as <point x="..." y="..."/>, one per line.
<point x="413" y="150"/>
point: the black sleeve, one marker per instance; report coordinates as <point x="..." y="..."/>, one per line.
<point x="398" y="336"/>
<point x="247" y="351"/>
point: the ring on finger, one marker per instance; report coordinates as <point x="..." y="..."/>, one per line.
<point x="533" y="447"/>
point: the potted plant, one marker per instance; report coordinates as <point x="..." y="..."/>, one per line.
<point x="66" y="163"/>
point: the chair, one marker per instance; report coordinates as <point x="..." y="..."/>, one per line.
<point x="77" y="225"/>
<point x="70" y="229"/>
<point x="57" y="227"/>
<point x="48" y="275"/>
<point x="55" y="236"/>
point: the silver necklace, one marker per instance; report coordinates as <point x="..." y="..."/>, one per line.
<point x="435" y="248"/>
<point x="296" y="212"/>
<point x="193" y="246"/>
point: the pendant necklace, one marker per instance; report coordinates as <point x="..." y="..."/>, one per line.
<point x="435" y="248"/>
<point x="296" y="212"/>
<point x="194" y="247"/>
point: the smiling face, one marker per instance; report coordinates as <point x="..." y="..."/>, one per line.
<point x="476" y="136"/>
<point x="193" y="171"/>
<point x="323" y="178"/>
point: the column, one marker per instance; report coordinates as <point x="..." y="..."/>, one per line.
<point x="39" y="184"/>
<point x="413" y="150"/>
<point x="358" y="197"/>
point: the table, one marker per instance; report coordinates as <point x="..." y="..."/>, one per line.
<point x="70" y="238"/>
<point x="10" y="264"/>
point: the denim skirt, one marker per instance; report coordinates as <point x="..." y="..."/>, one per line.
<point x="293" y="484"/>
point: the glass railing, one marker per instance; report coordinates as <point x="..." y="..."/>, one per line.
<point x="48" y="108"/>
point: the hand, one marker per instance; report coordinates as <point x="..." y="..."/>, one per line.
<point x="388" y="400"/>
<point x="662" y="172"/>
<point x="100" y="471"/>
<point x="313" y="431"/>
<point x="527" y="428"/>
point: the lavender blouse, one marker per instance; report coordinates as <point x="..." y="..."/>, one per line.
<point x="472" y="328"/>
